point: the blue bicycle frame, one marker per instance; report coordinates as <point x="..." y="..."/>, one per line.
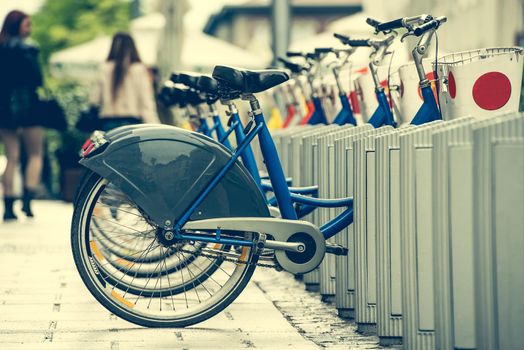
<point x="248" y="159"/>
<point x="284" y="197"/>
<point x="382" y="115"/>
<point x="204" y="127"/>
<point x="247" y="156"/>
<point x="220" y="132"/>
<point x="318" y="117"/>
<point x="345" y="116"/>
<point x="429" y="111"/>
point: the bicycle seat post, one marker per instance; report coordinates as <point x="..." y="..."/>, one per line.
<point x="310" y="80"/>
<point x="336" y="74"/>
<point x="300" y="85"/>
<point x="213" y="111"/>
<point x="374" y="74"/>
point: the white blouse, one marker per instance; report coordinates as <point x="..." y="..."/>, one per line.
<point x="135" y="97"/>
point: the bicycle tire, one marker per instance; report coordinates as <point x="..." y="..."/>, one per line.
<point x="227" y="293"/>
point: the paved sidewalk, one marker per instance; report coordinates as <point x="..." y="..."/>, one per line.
<point x="44" y="304"/>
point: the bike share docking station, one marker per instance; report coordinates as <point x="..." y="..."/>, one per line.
<point x="415" y="191"/>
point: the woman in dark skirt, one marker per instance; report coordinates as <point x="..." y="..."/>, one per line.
<point x="20" y="78"/>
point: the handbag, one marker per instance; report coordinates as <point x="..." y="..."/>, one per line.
<point x="89" y="119"/>
<point x="53" y="115"/>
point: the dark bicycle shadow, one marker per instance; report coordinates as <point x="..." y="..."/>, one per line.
<point x="138" y="328"/>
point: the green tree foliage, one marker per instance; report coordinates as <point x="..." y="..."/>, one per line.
<point x="63" y="23"/>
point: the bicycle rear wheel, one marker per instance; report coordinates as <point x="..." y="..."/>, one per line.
<point x="176" y="287"/>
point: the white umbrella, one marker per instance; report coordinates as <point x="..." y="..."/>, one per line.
<point x="81" y="61"/>
<point x="202" y="52"/>
<point x="354" y="24"/>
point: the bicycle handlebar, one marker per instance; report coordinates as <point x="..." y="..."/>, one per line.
<point x="352" y="42"/>
<point x="342" y="38"/>
<point x="372" y="22"/>
<point x="433" y="24"/>
<point x="358" y="42"/>
<point x="395" y="24"/>
<point x="321" y="50"/>
<point x="294" y="54"/>
<point x="293" y="67"/>
<point x="313" y="55"/>
<point x="405" y="22"/>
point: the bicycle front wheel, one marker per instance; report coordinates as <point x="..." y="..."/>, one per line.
<point x="157" y="286"/>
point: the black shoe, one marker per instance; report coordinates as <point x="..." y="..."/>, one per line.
<point x="28" y="197"/>
<point x="9" y="214"/>
<point x="10" y="217"/>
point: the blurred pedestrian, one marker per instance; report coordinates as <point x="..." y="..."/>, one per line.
<point x="124" y="89"/>
<point x="20" y="78"/>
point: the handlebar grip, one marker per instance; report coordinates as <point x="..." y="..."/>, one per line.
<point x="312" y="55"/>
<point x="283" y="60"/>
<point x="397" y="23"/>
<point x="341" y="37"/>
<point x="293" y="67"/>
<point x="294" y="54"/>
<point x="425" y="27"/>
<point x="323" y="50"/>
<point x="358" y="42"/>
<point x="372" y="22"/>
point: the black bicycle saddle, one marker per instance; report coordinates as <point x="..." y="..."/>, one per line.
<point x="248" y="81"/>
<point x="186" y="78"/>
<point x="207" y="84"/>
<point x="171" y="96"/>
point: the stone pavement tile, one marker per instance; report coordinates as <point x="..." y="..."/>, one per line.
<point x="248" y="317"/>
<point x="316" y="320"/>
<point x="24" y="325"/>
<point x="103" y="324"/>
<point x="58" y="346"/>
<point x="275" y="340"/>
<point x="201" y="338"/>
<point x="249" y="295"/>
<point x="49" y="345"/>
<point x="27" y="336"/>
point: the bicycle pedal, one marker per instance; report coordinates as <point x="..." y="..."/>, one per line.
<point x="336" y="249"/>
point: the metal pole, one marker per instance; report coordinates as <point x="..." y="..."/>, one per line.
<point x="135" y="9"/>
<point x="281" y="27"/>
<point x="172" y="38"/>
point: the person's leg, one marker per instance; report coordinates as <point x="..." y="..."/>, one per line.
<point x="33" y="138"/>
<point x="12" y="150"/>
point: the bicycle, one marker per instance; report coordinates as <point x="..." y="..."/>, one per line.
<point x="212" y="218"/>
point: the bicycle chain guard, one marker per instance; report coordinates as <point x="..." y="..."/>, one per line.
<point x="281" y="230"/>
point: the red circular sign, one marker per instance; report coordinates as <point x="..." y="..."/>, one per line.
<point x="492" y="91"/>
<point x="452" y="86"/>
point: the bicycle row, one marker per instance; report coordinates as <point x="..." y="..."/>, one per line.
<point x="169" y="225"/>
